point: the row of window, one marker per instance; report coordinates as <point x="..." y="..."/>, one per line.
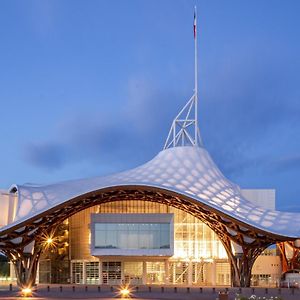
<point x="116" y="272"/>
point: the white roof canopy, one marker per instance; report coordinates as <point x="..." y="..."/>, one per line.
<point x="187" y="171"/>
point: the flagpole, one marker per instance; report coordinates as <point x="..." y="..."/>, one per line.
<point x="196" y="77"/>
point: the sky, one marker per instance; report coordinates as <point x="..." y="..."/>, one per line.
<point x="91" y="87"/>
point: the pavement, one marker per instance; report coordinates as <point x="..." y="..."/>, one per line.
<point x="145" y="292"/>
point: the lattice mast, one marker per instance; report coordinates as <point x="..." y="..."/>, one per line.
<point x="184" y="130"/>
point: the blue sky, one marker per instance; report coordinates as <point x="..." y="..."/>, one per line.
<point x="91" y="87"/>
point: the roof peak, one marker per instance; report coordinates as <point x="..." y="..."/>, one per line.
<point x="184" y="130"/>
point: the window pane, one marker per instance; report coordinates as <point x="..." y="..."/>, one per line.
<point x="111" y="239"/>
<point x="100" y="239"/>
<point x="132" y="235"/>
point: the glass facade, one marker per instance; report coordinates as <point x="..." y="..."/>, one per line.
<point x="132" y="236"/>
<point x="199" y="256"/>
<point x="54" y="265"/>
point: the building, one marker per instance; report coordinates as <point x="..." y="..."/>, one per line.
<point x="173" y="220"/>
<point x="135" y="236"/>
<point x="197" y="256"/>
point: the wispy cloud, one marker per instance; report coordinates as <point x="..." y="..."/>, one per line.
<point x="48" y="155"/>
<point x="129" y="136"/>
<point x="237" y="126"/>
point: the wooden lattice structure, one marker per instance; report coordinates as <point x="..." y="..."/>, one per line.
<point x="24" y="242"/>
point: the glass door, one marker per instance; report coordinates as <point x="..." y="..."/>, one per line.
<point x="155" y="272"/>
<point x="133" y="272"/>
<point x="111" y="272"/>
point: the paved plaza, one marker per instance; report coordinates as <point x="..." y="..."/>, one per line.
<point x="146" y="292"/>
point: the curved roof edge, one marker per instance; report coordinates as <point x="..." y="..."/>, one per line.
<point x="187" y="171"/>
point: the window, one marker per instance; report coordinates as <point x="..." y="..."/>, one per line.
<point x="77" y="272"/>
<point x="132" y="235"/>
<point x="92" y="272"/>
<point x="111" y="272"/>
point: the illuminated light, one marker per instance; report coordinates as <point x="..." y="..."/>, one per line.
<point x="26" y="292"/>
<point x="125" y="292"/>
<point x="49" y="241"/>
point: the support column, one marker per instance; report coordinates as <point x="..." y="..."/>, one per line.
<point x="190" y="273"/>
<point x="293" y="261"/>
<point x="284" y="260"/>
<point x="84" y="272"/>
<point x="37" y="274"/>
<point x="71" y="272"/>
<point x="144" y="272"/>
<point x="25" y="252"/>
<point x="242" y="263"/>
<point x="25" y="266"/>
<point x="11" y="271"/>
<point x="167" y="272"/>
<point x="122" y="272"/>
<point x="174" y="271"/>
<point x="100" y="272"/>
<point x="213" y="273"/>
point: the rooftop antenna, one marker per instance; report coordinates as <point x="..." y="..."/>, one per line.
<point x="184" y="130"/>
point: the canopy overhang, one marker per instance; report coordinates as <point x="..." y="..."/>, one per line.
<point x="184" y="177"/>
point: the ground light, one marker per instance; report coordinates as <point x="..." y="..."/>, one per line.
<point x="125" y="292"/>
<point x="26" y="292"/>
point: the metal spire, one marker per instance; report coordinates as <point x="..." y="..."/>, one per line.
<point x="184" y="130"/>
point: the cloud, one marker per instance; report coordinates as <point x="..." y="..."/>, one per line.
<point x="49" y="156"/>
<point x="127" y="137"/>
<point x="99" y="144"/>
<point x="249" y="111"/>
<point x="244" y="129"/>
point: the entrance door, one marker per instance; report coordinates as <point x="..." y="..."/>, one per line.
<point x="77" y="278"/>
<point x="155" y="272"/>
<point x="77" y="272"/>
<point x="133" y="272"/>
<point x="111" y="272"/>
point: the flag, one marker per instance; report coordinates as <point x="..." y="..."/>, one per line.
<point x="195" y="24"/>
